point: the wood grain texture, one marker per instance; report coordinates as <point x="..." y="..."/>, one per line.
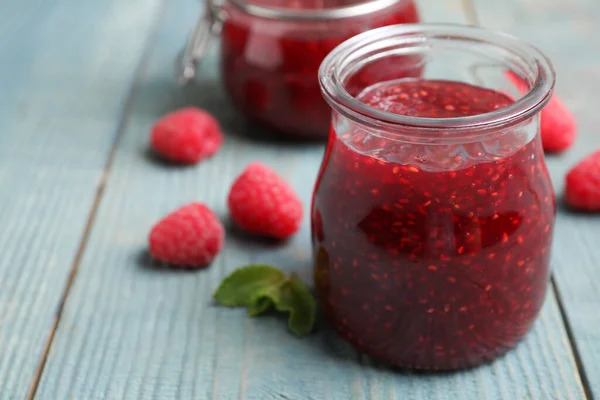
<point x="133" y="330"/>
<point x="569" y="33"/>
<point x="66" y="71"/>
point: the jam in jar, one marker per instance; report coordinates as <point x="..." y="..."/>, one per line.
<point x="433" y="212"/>
<point x="271" y="51"/>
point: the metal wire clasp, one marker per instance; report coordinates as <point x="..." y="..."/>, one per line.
<point x="207" y="27"/>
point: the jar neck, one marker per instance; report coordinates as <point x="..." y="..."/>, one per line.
<point x="358" y="9"/>
<point x="449" y="52"/>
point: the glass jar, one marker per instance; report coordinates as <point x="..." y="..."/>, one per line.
<point x="433" y="212"/>
<point x="271" y="51"/>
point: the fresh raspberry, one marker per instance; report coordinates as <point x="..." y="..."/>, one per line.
<point x="190" y="236"/>
<point x="558" y="127"/>
<point x="583" y="184"/>
<point x="261" y="202"/>
<point x="558" y="124"/>
<point x="186" y="136"/>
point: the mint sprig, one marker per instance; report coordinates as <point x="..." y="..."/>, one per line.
<point x="262" y="287"/>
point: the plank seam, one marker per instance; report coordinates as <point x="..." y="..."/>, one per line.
<point x="576" y="354"/>
<point x="129" y="100"/>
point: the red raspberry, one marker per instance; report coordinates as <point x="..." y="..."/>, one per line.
<point x="583" y="184"/>
<point x="186" y="136"/>
<point x="558" y="124"/>
<point x="559" y="128"/>
<point x="261" y="202"/>
<point x="190" y="236"/>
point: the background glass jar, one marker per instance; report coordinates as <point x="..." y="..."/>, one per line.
<point x="271" y="51"/>
<point x="432" y="235"/>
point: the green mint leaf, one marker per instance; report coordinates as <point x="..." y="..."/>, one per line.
<point x="244" y="285"/>
<point x="261" y="287"/>
<point x="259" y="306"/>
<point x="300" y="303"/>
<point x="265" y="298"/>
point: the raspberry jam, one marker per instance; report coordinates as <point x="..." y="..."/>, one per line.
<point x="270" y="65"/>
<point x="431" y="249"/>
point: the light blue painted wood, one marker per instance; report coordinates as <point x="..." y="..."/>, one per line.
<point x="66" y="71"/>
<point x="569" y="33"/>
<point x="133" y="331"/>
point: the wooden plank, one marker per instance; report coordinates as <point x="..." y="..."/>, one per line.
<point x="66" y="72"/>
<point x="132" y="331"/>
<point x="568" y="32"/>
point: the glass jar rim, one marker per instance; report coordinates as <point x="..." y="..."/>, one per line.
<point x="524" y="108"/>
<point x="333" y="13"/>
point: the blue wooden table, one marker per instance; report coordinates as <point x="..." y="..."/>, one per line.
<point x="83" y="315"/>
